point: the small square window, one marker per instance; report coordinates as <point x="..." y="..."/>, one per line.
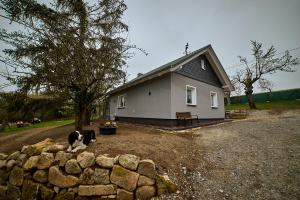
<point x="121" y="101"/>
<point x="203" y="64"/>
<point x="214" y="99"/>
<point x="191" y="98"/>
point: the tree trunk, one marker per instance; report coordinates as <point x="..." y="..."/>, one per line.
<point x="227" y="96"/>
<point x="87" y="117"/>
<point x="79" y="118"/>
<point x="248" y="92"/>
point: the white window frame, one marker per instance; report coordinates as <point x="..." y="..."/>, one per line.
<point x="194" y="97"/>
<point x="203" y="64"/>
<point x="119" y="101"/>
<point x="212" y="103"/>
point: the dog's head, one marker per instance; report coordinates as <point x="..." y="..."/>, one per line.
<point x="79" y="136"/>
<point x="75" y="137"/>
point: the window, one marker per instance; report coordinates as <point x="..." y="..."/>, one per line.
<point x="202" y="64"/>
<point x="121" y="101"/>
<point x="214" y="99"/>
<point x="191" y="95"/>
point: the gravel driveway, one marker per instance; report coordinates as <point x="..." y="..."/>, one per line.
<point x="257" y="158"/>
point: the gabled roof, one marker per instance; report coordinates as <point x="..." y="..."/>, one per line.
<point x="177" y="64"/>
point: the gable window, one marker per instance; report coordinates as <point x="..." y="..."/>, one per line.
<point x="203" y="64"/>
<point x="191" y="96"/>
<point x="213" y="99"/>
<point x="121" y="101"/>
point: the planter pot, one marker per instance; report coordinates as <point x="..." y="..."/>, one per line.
<point x="107" y="130"/>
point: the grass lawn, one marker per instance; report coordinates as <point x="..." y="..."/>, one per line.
<point x="61" y="122"/>
<point x="284" y="104"/>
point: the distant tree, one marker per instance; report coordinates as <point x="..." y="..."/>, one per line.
<point x="68" y="48"/>
<point x="12" y="107"/>
<point x="265" y="85"/>
<point x="227" y="97"/>
<point x="264" y="63"/>
<point x="16" y="106"/>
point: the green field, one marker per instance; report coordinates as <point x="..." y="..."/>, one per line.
<point x="62" y="122"/>
<point x="283" y="104"/>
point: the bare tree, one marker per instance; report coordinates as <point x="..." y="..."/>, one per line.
<point x="265" y="85"/>
<point x="267" y="62"/>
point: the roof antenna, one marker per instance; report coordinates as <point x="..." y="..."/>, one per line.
<point x="186" y="48"/>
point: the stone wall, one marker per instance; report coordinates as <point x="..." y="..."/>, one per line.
<point x="46" y="171"/>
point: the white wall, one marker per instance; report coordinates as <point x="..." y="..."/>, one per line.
<point x="203" y="108"/>
<point x="140" y="104"/>
<point x="168" y="96"/>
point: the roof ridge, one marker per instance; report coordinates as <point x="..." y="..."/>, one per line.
<point x="190" y="54"/>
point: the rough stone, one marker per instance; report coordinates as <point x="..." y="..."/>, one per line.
<point x="56" y="178"/>
<point x="124" y="178"/>
<point x="143" y="180"/>
<point x="30" y="189"/>
<point x="129" y="161"/>
<point x="54" y="148"/>
<point x="62" y="157"/>
<point x="31" y="163"/>
<point x="13" y="192"/>
<point x="65" y="196"/>
<point x="93" y="190"/>
<point x="37" y="148"/>
<point x="145" y="192"/>
<point x="21" y="159"/>
<point x="74" y="189"/>
<point x="2" y="163"/>
<point x="62" y="191"/>
<point x="165" y="185"/>
<point x="14" y="155"/>
<point x="83" y="198"/>
<point x="86" y="178"/>
<point x="3" y="190"/>
<point x="45" y="160"/>
<point x="41" y="176"/>
<point x="124" y="195"/>
<point x="72" y="167"/>
<point x="56" y="189"/>
<point x="104" y="161"/>
<point x="116" y="159"/>
<point x="27" y="175"/>
<point x="4" y="174"/>
<point x="101" y="176"/>
<point x="16" y="176"/>
<point x="147" y="168"/>
<point x="10" y="164"/>
<point x="3" y="156"/>
<point x="45" y="193"/>
<point x="86" y="159"/>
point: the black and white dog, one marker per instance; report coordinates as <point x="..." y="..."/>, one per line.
<point x="80" y="140"/>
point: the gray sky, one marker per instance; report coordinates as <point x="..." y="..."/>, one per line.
<point x="163" y="27"/>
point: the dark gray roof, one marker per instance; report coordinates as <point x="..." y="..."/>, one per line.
<point x="161" y="68"/>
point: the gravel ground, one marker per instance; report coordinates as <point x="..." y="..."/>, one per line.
<point x="256" y="158"/>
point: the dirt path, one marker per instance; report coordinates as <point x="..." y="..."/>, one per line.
<point x="15" y="141"/>
<point x="256" y="158"/>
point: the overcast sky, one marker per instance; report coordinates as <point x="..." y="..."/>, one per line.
<point x="163" y="27"/>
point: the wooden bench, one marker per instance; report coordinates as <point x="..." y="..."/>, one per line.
<point x="185" y="116"/>
<point x="236" y="114"/>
